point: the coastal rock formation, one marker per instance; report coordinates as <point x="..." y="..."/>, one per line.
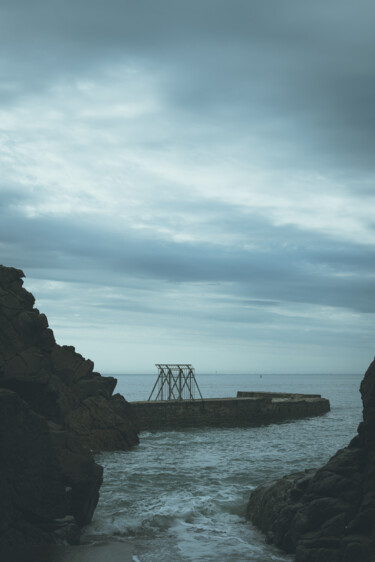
<point x="31" y="487"/>
<point x="326" y="515"/>
<point x="54" y="412"/>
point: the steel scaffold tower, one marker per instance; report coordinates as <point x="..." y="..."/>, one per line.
<point x="176" y="382"/>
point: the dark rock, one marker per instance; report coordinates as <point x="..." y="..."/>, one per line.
<point x="31" y="488"/>
<point x="55" y="380"/>
<point x="101" y="423"/>
<point x="54" y="410"/>
<point x="326" y="515"/>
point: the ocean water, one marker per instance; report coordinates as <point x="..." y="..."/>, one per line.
<point x="181" y="495"/>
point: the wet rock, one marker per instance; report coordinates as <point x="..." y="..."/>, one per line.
<point x="326" y="515"/>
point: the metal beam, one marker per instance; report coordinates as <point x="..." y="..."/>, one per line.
<point x="178" y="379"/>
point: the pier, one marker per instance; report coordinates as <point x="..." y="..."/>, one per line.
<point x="170" y="410"/>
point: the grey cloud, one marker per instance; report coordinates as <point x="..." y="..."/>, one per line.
<point x="292" y="81"/>
<point x="300" y="274"/>
<point x="302" y="72"/>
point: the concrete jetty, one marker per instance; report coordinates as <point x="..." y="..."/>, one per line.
<point x="247" y="409"/>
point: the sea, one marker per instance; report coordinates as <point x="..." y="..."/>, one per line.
<point x="181" y="495"/>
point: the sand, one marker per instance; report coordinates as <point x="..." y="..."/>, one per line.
<point x="108" y="552"/>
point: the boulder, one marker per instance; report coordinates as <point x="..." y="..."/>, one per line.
<point x="326" y="515"/>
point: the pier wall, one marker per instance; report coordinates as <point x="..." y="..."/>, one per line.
<point x="227" y="412"/>
<point x="288" y="395"/>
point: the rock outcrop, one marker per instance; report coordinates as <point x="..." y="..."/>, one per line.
<point x="54" y="413"/>
<point x="326" y="515"/>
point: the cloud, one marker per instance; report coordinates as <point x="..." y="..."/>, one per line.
<point x="310" y="269"/>
<point x="301" y="75"/>
<point x="200" y="161"/>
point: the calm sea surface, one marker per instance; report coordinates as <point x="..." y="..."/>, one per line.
<point x="181" y="495"/>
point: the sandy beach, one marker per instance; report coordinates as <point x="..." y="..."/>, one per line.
<point x="113" y="551"/>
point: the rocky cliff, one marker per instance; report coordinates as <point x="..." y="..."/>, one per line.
<point x="54" y="412"/>
<point x="326" y="515"/>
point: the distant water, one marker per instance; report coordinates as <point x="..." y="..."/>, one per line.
<point x="181" y="495"/>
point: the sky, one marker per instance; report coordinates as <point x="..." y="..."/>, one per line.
<point x="193" y="182"/>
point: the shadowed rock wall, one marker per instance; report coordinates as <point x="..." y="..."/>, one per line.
<point x="54" y="411"/>
<point x="326" y="515"/>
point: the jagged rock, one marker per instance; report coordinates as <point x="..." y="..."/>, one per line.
<point x="54" y="410"/>
<point x="326" y="515"/>
<point x="101" y="424"/>
<point x="55" y="380"/>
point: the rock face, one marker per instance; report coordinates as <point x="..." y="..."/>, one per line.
<point x="326" y="515"/>
<point x="54" y="412"/>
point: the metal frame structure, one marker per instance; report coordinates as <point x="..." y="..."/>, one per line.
<point x="176" y="382"/>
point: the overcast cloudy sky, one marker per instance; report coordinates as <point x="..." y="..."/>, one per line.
<point x="193" y="181"/>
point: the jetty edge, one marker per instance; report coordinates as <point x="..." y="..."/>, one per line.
<point x="247" y="409"/>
